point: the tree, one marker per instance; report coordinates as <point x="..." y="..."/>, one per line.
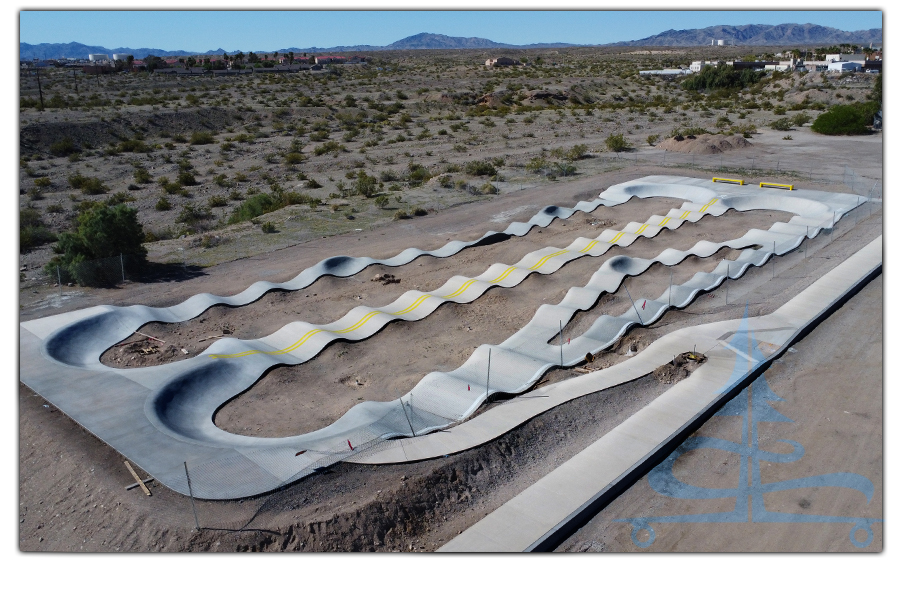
<point x="290" y="58"/>
<point x="100" y="232"/>
<point x="852" y="119"/>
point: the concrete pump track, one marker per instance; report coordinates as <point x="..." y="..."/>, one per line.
<point x="162" y="417"/>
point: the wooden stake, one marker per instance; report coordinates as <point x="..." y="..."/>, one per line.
<point x="136" y="478"/>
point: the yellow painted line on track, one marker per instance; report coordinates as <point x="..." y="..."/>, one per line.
<point x="616" y="237"/>
<point x="641" y="229"/>
<point x="663" y="223"/>
<point x="508" y="271"/>
<point x="461" y="289"/>
<point x="413" y="306"/>
<point x="589" y="247"/>
<point x="702" y="209"/>
<point x="545" y="258"/>
<point x="301" y="341"/>
<point x="685" y="214"/>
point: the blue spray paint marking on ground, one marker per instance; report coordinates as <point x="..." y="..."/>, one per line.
<point x="750" y="490"/>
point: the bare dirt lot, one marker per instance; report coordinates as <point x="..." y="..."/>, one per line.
<point x="71" y="495"/>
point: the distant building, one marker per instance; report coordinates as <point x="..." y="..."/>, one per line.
<point x="501" y="61"/>
<point x="98" y="57"/>
<point x="330" y="59"/>
<point x="845" y="66"/>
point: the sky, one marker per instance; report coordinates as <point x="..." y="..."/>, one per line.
<point x="234" y="29"/>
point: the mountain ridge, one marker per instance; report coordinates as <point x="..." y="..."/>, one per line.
<point x="743" y="35"/>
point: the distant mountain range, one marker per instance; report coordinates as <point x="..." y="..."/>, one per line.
<point x="789" y="34"/>
<point x="759" y="35"/>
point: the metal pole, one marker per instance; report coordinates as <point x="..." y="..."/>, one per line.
<point x="632" y="302"/>
<point x="59" y="280"/>
<point x="560" y="344"/>
<point x="122" y="262"/>
<point x="726" y="286"/>
<point x="671" y="273"/>
<point x="487" y="384"/>
<point x="191" y="492"/>
<point x="407" y="416"/>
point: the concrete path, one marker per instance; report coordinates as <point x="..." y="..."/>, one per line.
<point x="739" y="349"/>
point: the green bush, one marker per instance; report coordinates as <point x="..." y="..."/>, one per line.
<point x="32" y="230"/>
<point x="723" y="77"/>
<point x="101" y="232"/>
<point x="782" y="124"/>
<point x="202" y="138"/>
<point x="141" y="176"/>
<point x="479" y="168"/>
<point x="63" y="147"/>
<point x="617" y="143"/>
<point x="852" y="119"/>
<point x="263" y="203"/>
<point x="163" y="204"/>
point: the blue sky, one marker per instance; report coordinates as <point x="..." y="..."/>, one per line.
<point x="198" y="31"/>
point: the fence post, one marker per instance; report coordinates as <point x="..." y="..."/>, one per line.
<point x="727" y="277"/>
<point x="59" y="280"/>
<point x="406" y="415"/>
<point x="560" y="344"/>
<point x="632" y="303"/>
<point x="122" y="262"/>
<point x="487" y="384"/>
<point x="671" y="273"/>
<point x="191" y="492"/>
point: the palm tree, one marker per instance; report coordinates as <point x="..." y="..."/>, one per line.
<point x="290" y="58"/>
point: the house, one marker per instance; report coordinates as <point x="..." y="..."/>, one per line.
<point x="501" y="61"/>
<point x="845" y="66"/>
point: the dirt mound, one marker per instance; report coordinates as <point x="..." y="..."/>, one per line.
<point x="679" y="368"/>
<point x="704" y="144"/>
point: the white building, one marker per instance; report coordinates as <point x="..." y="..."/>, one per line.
<point x="122" y="57"/>
<point x="98" y="57"/>
<point x="697" y="65"/>
<point x="845" y="66"/>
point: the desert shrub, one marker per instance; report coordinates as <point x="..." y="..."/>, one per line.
<point x="56" y="208"/>
<point x="576" y="152"/>
<point x="187" y="179"/>
<point x="120" y="197"/>
<point x="389" y="176"/>
<point x="852" y="119"/>
<point x="652" y="139"/>
<point x="800" y="119"/>
<point x="401" y="215"/>
<point x="268" y="227"/>
<point x="194" y="218"/>
<point x="479" y="168"/>
<point x="382" y="201"/>
<point x="141" y="176"/>
<point x="202" y="138"/>
<point x="366" y="185"/>
<point x="221" y="180"/>
<point x="420" y="211"/>
<point x="217" y="201"/>
<point x="723" y="77"/>
<point x="163" y="204"/>
<point x="782" y="124"/>
<point x="32" y="230"/>
<point x="42" y="183"/>
<point x="63" y="147"/>
<point x="329" y="147"/>
<point x="134" y="146"/>
<point x="293" y="158"/>
<point x="617" y="143"/>
<point x="263" y="203"/>
<point x="488" y="189"/>
<point x="416" y="174"/>
<point x="101" y="232"/>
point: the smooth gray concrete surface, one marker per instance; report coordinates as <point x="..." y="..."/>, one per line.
<point x="738" y="349"/>
<point x="159" y="417"/>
